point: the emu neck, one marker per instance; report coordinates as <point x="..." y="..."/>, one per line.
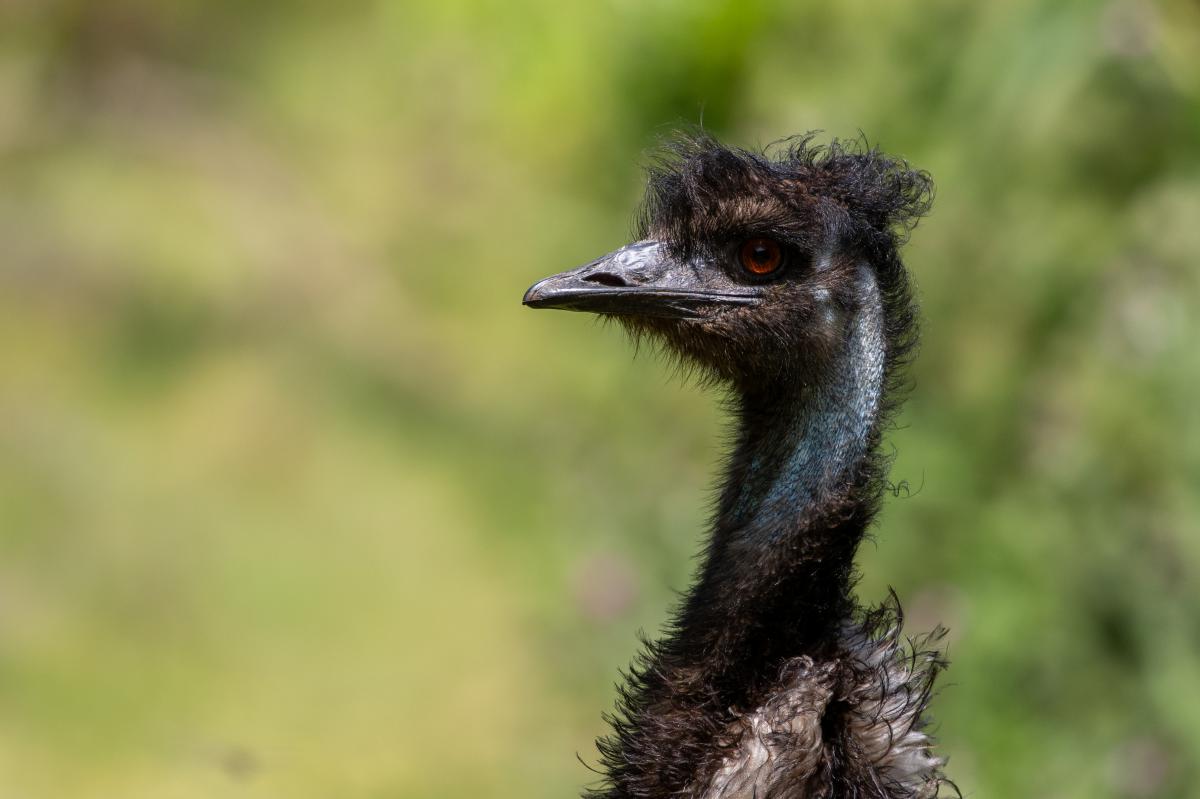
<point x="801" y="488"/>
<point x="799" y="494"/>
<point x="800" y="444"/>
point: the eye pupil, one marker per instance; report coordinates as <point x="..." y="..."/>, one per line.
<point x="761" y="256"/>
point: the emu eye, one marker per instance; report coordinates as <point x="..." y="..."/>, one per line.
<point x="760" y="256"/>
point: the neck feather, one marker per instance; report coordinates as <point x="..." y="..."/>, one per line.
<point x="800" y="445"/>
<point x="800" y="491"/>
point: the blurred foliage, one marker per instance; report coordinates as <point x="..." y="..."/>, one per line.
<point x="296" y="500"/>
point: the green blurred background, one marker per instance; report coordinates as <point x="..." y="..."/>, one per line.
<point x="297" y="501"/>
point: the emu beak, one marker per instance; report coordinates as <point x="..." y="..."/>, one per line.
<point x="641" y="279"/>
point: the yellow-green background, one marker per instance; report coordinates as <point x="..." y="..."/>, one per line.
<point x="297" y="501"/>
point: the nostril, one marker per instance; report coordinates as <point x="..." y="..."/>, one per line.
<point x="605" y="279"/>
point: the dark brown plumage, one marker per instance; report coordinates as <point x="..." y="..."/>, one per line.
<point x="778" y="276"/>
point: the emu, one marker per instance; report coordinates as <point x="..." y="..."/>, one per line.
<point x="775" y="274"/>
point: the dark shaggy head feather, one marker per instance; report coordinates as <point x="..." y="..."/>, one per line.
<point x="844" y="199"/>
<point x="845" y="193"/>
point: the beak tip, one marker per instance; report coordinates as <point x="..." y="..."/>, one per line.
<point x="532" y="296"/>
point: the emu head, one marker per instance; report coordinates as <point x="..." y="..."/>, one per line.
<point x="749" y="265"/>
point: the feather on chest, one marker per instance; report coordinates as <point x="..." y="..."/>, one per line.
<point x="850" y="726"/>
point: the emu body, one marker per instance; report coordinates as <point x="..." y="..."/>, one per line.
<point x="780" y="278"/>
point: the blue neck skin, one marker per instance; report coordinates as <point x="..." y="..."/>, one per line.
<point x="818" y="433"/>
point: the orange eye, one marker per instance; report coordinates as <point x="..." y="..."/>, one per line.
<point x="761" y="256"/>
